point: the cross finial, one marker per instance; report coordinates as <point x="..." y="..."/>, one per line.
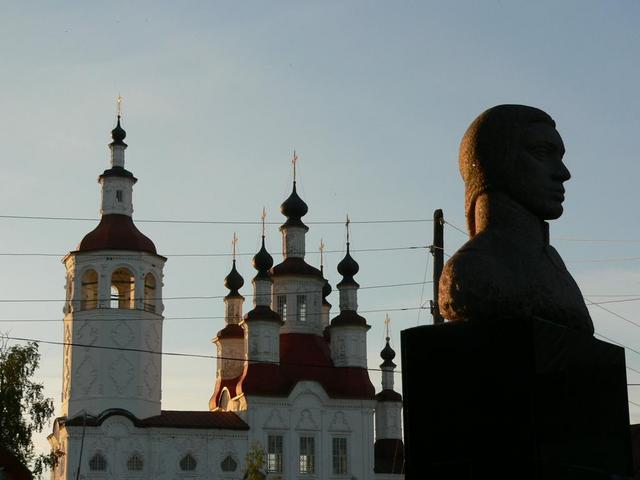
<point x="119" y="100"/>
<point x="387" y="321"/>
<point x="346" y="224"/>
<point x="263" y="217"/>
<point x="234" y="241"/>
<point x="294" y="161"/>
<point x="321" y="253"/>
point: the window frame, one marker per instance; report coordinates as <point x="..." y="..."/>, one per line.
<point x="301" y="307"/>
<point x="339" y="460"/>
<point x="133" y="458"/>
<point x="310" y="460"/>
<point x="281" y="306"/>
<point x="278" y="460"/>
<point x="228" y="458"/>
<point x="95" y="465"/>
<point x="188" y="457"/>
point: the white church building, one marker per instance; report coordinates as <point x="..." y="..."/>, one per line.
<point x="290" y="381"/>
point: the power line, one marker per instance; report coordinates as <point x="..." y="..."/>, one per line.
<point x="136" y="255"/>
<point x="177" y="354"/>
<point x="424" y="282"/>
<point x="612" y="313"/>
<point x="203" y="317"/>
<point x="624" y="300"/>
<point x="214" y="222"/>
<point x="606" y="260"/>
<point x="595" y="240"/>
<point x="456" y="228"/>
<point x="193" y="297"/>
<point x="573" y="239"/>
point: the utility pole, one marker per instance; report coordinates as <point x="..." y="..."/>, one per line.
<point x="437" y="250"/>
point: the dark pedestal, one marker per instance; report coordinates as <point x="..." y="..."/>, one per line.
<point x="513" y="399"/>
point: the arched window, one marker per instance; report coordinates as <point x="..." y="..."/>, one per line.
<point x="122" y="289"/>
<point x="135" y="463"/>
<point x="150" y="293"/>
<point x="224" y="399"/>
<point x="188" y="463"/>
<point x="229" y="464"/>
<point x="98" y="463"/>
<point x="89" y="290"/>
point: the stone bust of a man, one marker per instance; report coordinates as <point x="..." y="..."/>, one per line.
<point x="511" y="164"/>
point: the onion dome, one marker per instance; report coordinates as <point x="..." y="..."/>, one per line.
<point x="262" y="261"/>
<point x="388" y="354"/>
<point x="294" y="208"/>
<point x="326" y="289"/>
<point x="233" y="281"/>
<point x="348" y="267"/>
<point x="118" y="134"/>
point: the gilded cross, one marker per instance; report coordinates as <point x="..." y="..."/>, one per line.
<point x="234" y="243"/>
<point x="263" y="217"/>
<point x="119" y="100"/>
<point x="387" y="321"/>
<point x="294" y="161"/>
<point x="347" y="223"/>
<point x="321" y="253"/>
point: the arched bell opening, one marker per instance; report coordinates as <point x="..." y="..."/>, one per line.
<point x="89" y="290"/>
<point x="122" y="289"/>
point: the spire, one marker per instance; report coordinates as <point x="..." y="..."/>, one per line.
<point x="263" y="261"/>
<point x="234" y="281"/>
<point x="348" y="267"/>
<point x="387" y="354"/>
<point x="294" y="208"/>
<point x="118" y="135"/>
<point x="262" y="282"/>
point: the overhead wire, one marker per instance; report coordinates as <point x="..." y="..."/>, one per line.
<point x="203" y="317"/>
<point x="216" y="222"/>
<point x="176" y="354"/>
<point x="137" y="255"/>
<point x="193" y="297"/>
<point x="424" y="280"/>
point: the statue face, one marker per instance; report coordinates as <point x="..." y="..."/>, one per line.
<point x="539" y="172"/>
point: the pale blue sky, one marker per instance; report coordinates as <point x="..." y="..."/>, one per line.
<point x="374" y="95"/>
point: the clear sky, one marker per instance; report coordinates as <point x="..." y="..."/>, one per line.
<point x="374" y="96"/>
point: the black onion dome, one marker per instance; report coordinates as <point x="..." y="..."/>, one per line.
<point x="326" y="289"/>
<point x="118" y="134"/>
<point x="262" y="261"/>
<point x="348" y="267"/>
<point x="387" y="353"/>
<point x="294" y="208"/>
<point x="233" y="281"/>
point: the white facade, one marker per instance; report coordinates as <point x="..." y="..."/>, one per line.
<point x="109" y="449"/>
<point x="309" y="413"/>
<point x="312" y="427"/>
<point x="122" y="375"/>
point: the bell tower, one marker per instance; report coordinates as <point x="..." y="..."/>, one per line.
<point x="113" y="308"/>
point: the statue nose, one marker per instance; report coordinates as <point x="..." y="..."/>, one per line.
<point x="562" y="173"/>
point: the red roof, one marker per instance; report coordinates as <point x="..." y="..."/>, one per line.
<point x="305" y="357"/>
<point x="116" y="232"/>
<point x="196" y="419"/>
<point x="168" y="419"/>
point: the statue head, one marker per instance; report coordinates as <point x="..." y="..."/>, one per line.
<point x="514" y="149"/>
